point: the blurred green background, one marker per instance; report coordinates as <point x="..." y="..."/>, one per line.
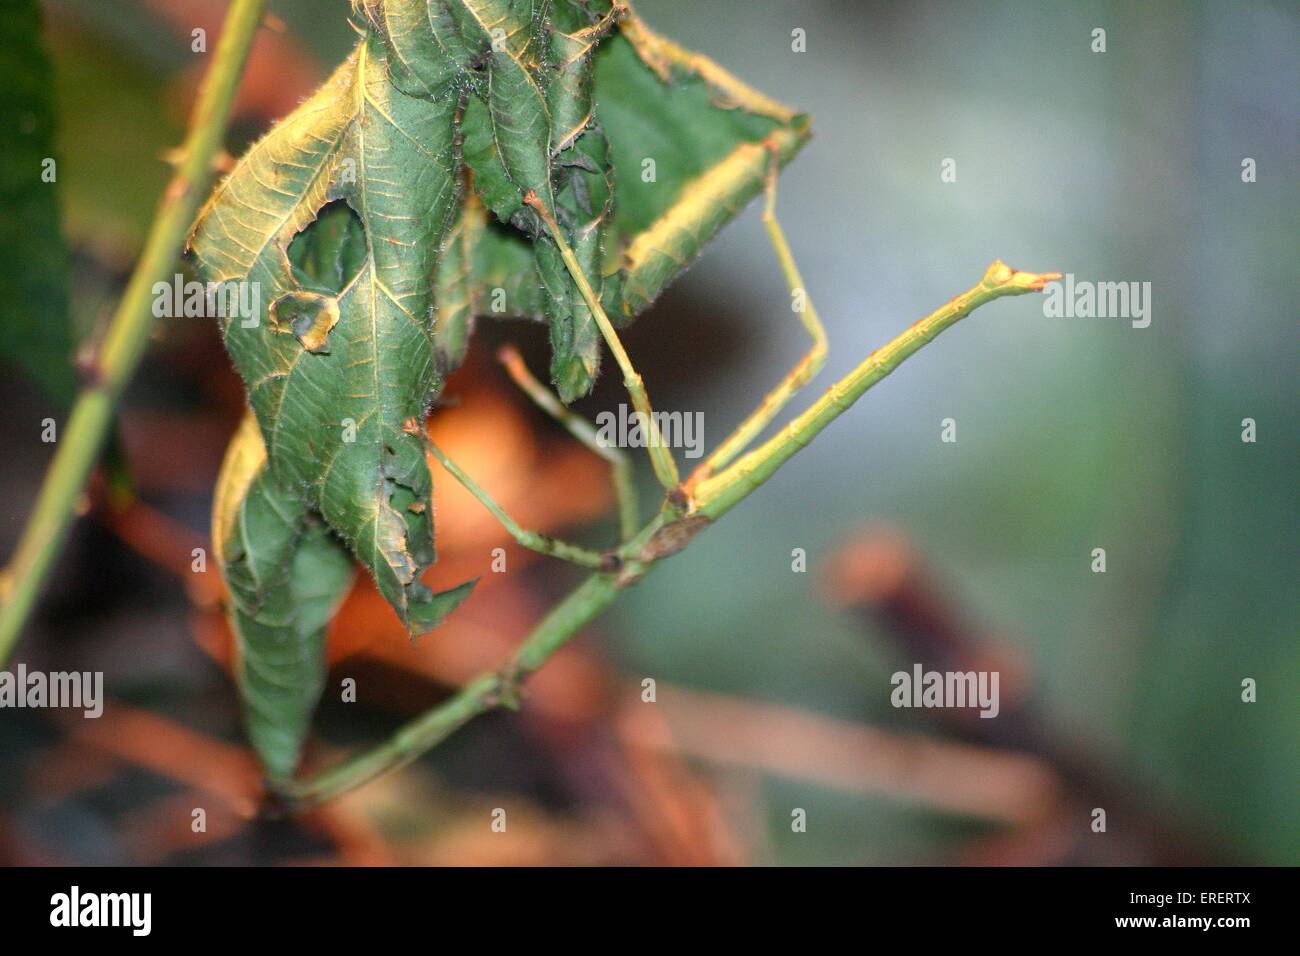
<point x="1072" y="433"/>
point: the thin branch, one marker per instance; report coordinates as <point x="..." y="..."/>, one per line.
<point x="128" y="334"/>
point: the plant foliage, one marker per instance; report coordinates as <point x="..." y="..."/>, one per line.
<point x="379" y="220"/>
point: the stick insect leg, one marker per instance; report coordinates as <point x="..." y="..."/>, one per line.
<point x="660" y="457"/>
<point x="716" y="495"/>
<point x="532" y="540"/>
<point x="620" y="467"/>
<point x="799" y="375"/>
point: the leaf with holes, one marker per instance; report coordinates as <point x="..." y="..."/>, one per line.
<point x="337" y="217"/>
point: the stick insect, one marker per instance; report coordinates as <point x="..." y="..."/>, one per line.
<point x="549" y="159"/>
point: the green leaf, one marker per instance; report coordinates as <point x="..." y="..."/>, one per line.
<point x="505" y="260"/>
<point x="286" y="575"/>
<point x="454" y="286"/>
<point x="482" y="155"/>
<point x="335" y="373"/>
<point x="34" y="268"/>
<point x="583" y="197"/>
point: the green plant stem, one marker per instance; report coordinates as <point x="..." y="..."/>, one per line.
<point x="128" y="334"/>
<point x="713" y="498"/>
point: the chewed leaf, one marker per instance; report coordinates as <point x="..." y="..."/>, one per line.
<point x="330" y="397"/>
